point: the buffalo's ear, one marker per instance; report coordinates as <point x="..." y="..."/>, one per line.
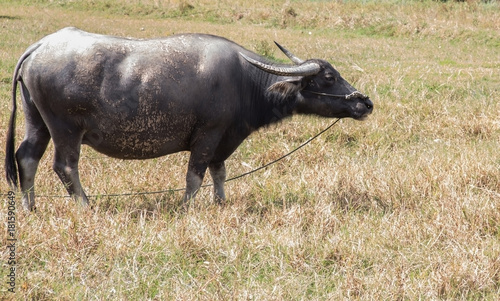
<point x="284" y="90"/>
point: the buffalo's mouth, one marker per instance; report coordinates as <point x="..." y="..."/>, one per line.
<point x="362" y="117"/>
<point x="362" y="109"/>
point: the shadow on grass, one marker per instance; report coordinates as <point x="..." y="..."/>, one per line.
<point x="9" y="17"/>
<point x="167" y="203"/>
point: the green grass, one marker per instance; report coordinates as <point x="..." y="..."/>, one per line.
<point x="404" y="205"/>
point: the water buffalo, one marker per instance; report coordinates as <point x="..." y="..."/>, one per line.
<point x="140" y="99"/>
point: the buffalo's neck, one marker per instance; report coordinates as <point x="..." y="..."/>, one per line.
<point x="262" y="109"/>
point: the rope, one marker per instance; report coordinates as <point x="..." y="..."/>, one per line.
<point x="344" y="96"/>
<point x="205" y="185"/>
<point x="284" y="156"/>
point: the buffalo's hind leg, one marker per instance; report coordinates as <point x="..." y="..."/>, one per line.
<point x="66" y="157"/>
<point x="31" y="150"/>
<point x="28" y="156"/>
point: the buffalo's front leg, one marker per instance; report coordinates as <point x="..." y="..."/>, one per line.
<point x="202" y="153"/>
<point x="194" y="178"/>
<point x="218" y="173"/>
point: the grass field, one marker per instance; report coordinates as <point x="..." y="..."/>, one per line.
<point x="402" y="206"/>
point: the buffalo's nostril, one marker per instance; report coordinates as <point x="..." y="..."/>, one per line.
<point x="369" y="104"/>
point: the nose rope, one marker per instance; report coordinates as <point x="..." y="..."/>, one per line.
<point x="345" y="96"/>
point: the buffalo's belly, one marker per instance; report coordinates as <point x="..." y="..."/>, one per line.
<point x="138" y="139"/>
<point x="133" y="147"/>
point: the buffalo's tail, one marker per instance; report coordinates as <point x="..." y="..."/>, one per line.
<point x="10" y="159"/>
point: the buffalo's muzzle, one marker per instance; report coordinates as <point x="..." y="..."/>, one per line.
<point x="369" y="104"/>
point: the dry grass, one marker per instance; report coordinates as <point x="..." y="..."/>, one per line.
<point x="405" y="205"/>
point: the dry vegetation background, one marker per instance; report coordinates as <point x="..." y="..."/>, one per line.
<point x="402" y="206"/>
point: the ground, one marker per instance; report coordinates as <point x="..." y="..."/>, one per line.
<point x="404" y="205"/>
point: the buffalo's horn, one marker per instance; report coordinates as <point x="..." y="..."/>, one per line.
<point x="290" y="55"/>
<point x="304" y="69"/>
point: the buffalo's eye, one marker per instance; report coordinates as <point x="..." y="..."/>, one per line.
<point x="330" y="78"/>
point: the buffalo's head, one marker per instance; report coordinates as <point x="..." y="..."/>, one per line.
<point x="318" y="88"/>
